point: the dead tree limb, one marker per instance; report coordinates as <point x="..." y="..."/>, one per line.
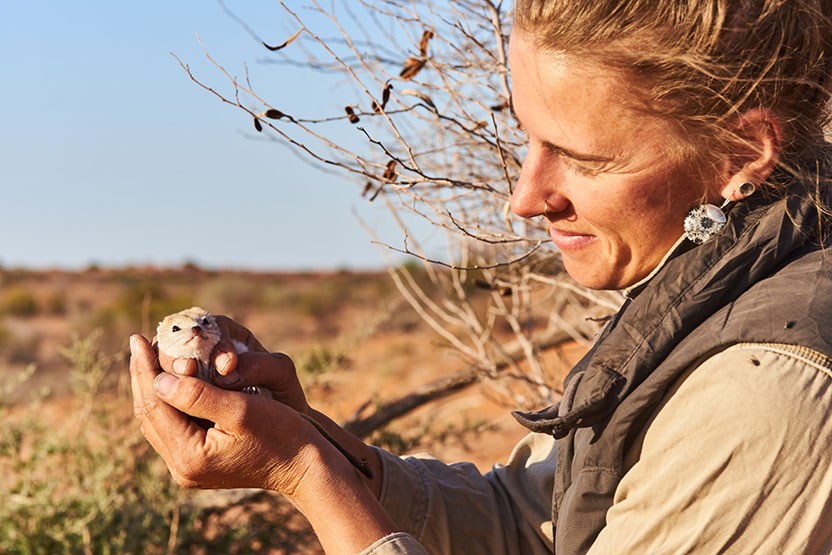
<point x="389" y="411"/>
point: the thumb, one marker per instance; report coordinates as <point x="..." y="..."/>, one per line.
<point x="198" y="398"/>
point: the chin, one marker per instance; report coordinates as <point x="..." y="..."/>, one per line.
<point x="599" y="279"/>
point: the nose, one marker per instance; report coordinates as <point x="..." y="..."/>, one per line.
<point x="196" y="329"/>
<point x="537" y="189"/>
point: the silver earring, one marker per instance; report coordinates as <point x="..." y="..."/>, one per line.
<point x="703" y="222"/>
<point x="747" y="189"/>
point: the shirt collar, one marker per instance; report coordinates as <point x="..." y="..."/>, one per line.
<point x="633" y="290"/>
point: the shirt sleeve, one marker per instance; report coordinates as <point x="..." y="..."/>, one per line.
<point x="455" y="509"/>
<point x="738" y="459"/>
<point x="398" y="543"/>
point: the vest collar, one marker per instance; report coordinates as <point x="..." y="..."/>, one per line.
<point x="690" y="285"/>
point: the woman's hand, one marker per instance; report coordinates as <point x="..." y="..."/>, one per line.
<point x="244" y="448"/>
<point x="256" y="367"/>
<point x="255" y="442"/>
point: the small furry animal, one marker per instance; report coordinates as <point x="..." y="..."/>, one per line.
<point x="193" y="333"/>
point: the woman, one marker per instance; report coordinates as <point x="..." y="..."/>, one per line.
<point x="698" y="421"/>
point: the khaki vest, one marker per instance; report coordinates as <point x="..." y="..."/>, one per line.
<point x="761" y="279"/>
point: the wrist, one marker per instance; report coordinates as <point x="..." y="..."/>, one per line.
<point x="322" y="468"/>
<point x="332" y="496"/>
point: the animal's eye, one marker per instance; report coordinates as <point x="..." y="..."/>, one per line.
<point x="175" y="328"/>
<point x="205" y="322"/>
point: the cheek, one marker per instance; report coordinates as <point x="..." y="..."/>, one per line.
<point x="647" y="206"/>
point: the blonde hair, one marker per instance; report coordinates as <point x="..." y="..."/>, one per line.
<point x="703" y="61"/>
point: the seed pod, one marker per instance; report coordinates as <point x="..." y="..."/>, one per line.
<point x="423" y="44"/>
<point x="390" y="171"/>
<point x="351" y="114"/>
<point x="385" y="96"/>
<point x="500" y="107"/>
<point x="271" y="113"/>
<point x="285" y="44"/>
<point x="412" y="66"/>
<point x="421" y="96"/>
<point x="257" y="125"/>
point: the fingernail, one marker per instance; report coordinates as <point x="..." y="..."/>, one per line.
<point x="222" y="362"/>
<point x="230" y="379"/>
<point x="180" y="365"/>
<point x="165" y="383"/>
<point x="133" y="344"/>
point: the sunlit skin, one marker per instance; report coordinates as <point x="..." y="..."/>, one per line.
<point x="616" y="196"/>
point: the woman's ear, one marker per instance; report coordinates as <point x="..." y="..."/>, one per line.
<point x="757" y="143"/>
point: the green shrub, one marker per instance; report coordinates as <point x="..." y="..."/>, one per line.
<point x="88" y="375"/>
<point x="320" y="360"/>
<point x="80" y="485"/>
<point x="18" y="301"/>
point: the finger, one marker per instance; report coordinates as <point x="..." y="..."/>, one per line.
<point x="176" y="464"/>
<point x="155" y="441"/>
<point x="182" y="366"/>
<point x="142" y="401"/>
<point x="225" y="356"/>
<point x="142" y="360"/>
<point x="170" y="427"/>
<point x="200" y="399"/>
<point x="275" y="371"/>
<point x="236" y="332"/>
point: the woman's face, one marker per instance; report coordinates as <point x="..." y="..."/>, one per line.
<point x="616" y="196"/>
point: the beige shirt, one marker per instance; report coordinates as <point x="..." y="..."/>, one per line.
<point x="737" y="459"/>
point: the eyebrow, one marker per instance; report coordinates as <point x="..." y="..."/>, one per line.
<point x="559" y="149"/>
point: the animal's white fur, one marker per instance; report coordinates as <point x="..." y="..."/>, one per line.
<point x="191" y="333"/>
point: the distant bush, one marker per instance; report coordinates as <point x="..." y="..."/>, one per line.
<point x="5" y="336"/>
<point x="320" y="360"/>
<point x="231" y="295"/>
<point x="19" y="349"/>
<point x="89" y="368"/>
<point x="191" y="266"/>
<point x="56" y="304"/>
<point x="149" y="297"/>
<point x="18" y="301"/>
<point x="327" y="298"/>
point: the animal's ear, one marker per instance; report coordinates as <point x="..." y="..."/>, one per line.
<point x="754" y="151"/>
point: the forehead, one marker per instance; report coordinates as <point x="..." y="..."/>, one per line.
<point x="195" y="314"/>
<point x="531" y="62"/>
<point x="577" y="98"/>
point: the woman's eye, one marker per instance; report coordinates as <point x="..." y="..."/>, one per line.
<point x="175" y="328"/>
<point x="580" y="170"/>
<point x="583" y="170"/>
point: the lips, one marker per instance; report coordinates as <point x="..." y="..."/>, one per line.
<point x="570" y="240"/>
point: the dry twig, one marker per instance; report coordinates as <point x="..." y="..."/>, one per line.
<point x="440" y="146"/>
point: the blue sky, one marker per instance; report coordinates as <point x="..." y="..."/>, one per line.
<point x="109" y="154"/>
